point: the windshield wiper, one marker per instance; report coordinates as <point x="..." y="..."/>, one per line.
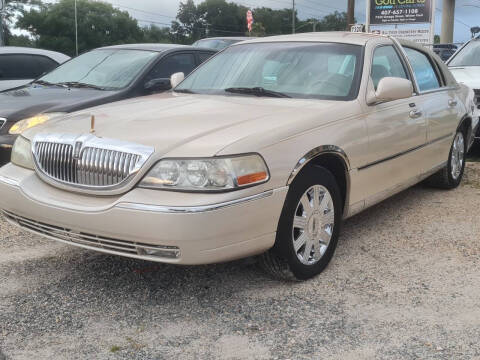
<point x="46" y="83"/>
<point x="80" y="85"/>
<point x="185" y="91"/>
<point x="257" y="91"/>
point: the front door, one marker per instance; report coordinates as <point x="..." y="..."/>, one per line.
<point x="396" y="129"/>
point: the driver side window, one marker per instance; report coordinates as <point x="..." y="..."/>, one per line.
<point x="386" y="63"/>
<point x="172" y="64"/>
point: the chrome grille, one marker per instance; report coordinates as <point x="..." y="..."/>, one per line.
<point x="2" y="122"/>
<point x="99" y="243"/>
<point x="88" y="161"/>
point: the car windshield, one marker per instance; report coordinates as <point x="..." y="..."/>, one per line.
<point x="468" y="56"/>
<point x="105" y="69"/>
<point x="293" y="69"/>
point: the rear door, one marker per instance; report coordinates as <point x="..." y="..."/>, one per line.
<point x="440" y="102"/>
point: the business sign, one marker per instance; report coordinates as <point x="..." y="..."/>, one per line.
<point x="391" y="12"/>
<point x="420" y="36"/>
<point x="249" y="20"/>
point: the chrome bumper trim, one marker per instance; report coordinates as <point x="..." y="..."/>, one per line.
<point x="197" y="209"/>
<point x="102" y="244"/>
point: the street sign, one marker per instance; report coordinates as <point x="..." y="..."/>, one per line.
<point x="357" y="28"/>
<point x="393" y="12"/>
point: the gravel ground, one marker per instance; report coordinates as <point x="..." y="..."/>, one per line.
<point x="403" y="284"/>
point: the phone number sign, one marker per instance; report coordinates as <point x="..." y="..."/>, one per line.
<point x="384" y="12"/>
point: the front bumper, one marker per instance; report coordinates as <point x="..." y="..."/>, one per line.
<point x="203" y="233"/>
<point x="6" y="144"/>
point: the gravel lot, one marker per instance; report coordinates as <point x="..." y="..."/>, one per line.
<point x="404" y="284"/>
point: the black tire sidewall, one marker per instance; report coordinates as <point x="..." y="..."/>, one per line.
<point x="313" y="175"/>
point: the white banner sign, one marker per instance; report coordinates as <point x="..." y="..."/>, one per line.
<point x="421" y="36"/>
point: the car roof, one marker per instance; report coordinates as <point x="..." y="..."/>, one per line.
<point x="239" y="38"/>
<point x="153" y="47"/>
<point x="58" y="57"/>
<point x="329" y="36"/>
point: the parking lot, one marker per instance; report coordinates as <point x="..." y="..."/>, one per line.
<point x="403" y="284"/>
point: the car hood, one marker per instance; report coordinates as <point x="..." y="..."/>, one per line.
<point x="468" y="75"/>
<point x="29" y="100"/>
<point x="196" y="125"/>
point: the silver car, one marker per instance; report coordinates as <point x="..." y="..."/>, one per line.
<point x="19" y="65"/>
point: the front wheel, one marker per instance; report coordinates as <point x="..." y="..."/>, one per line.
<point x="308" y="229"/>
<point x="451" y="175"/>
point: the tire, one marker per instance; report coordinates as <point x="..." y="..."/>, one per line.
<point x="303" y="249"/>
<point x="451" y="175"/>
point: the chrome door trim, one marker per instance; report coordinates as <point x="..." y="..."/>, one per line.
<point x="324" y="149"/>
<point x="199" y="208"/>
<point x="377" y="162"/>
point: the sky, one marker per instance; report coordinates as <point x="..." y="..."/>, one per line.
<point x="162" y="12"/>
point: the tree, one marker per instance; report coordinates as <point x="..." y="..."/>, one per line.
<point x="154" y="34"/>
<point x="258" y="29"/>
<point x="52" y="25"/>
<point x="275" y="21"/>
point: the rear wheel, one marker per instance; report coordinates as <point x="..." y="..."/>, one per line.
<point x="308" y="229"/>
<point x="451" y="175"/>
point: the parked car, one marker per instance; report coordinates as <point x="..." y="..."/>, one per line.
<point x="20" y="65"/>
<point x="465" y="66"/>
<point x="264" y="149"/>
<point x="97" y="77"/>
<point x="445" y="51"/>
<point x="219" y="43"/>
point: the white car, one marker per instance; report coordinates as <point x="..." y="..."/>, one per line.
<point x="19" y="65"/>
<point x="465" y="66"/>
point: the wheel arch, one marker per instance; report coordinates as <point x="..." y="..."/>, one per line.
<point x="466" y="122"/>
<point x="334" y="159"/>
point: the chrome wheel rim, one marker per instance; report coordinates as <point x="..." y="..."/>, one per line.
<point x="457" y="157"/>
<point x="313" y="224"/>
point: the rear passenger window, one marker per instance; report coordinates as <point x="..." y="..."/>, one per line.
<point x="24" y="66"/>
<point x="427" y="78"/>
<point x="386" y="63"/>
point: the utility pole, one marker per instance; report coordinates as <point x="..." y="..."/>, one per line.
<point x="2" y="6"/>
<point x="293" y="16"/>
<point x="351" y="14"/>
<point x="76" y="29"/>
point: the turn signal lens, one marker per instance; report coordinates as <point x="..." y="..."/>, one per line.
<point x="207" y="174"/>
<point x="252" y="178"/>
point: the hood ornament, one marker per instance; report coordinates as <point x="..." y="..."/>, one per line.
<point x="92" y="124"/>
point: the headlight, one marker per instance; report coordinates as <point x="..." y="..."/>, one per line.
<point x="22" y="125"/>
<point x="209" y="174"/>
<point x="22" y="153"/>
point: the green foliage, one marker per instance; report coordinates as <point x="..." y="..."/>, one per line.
<point x="258" y="30"/>
<point x="53" y="26"/>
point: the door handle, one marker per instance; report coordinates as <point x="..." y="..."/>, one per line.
<point x="452" y="103"/>
<point x="415" y="114"/>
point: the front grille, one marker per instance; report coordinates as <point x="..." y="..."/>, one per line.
<point x="88" y="161"/>
<point x="94" y="167"/>
<point x="477" y="98"/>
<point x="2" y="122"/>
<point x="100" y="243"/>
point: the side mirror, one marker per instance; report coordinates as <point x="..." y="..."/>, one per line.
<point x="390" y="89"/>
<point x="176" y="79"/>
<point x="160" y="84"/>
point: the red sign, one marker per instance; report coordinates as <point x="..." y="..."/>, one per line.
<point x="249" y="20"/>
